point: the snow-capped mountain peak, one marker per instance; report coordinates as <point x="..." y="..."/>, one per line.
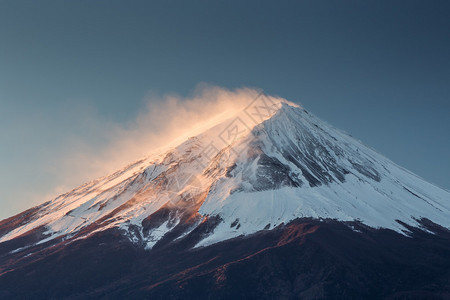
<point x="263" y="167"/>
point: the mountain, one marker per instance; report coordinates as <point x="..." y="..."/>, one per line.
<point x="270" y="203"/>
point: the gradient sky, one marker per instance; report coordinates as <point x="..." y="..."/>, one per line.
<point x="379" y="70"/>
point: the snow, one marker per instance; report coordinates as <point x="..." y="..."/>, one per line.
<point x="255" y="174"/>
<point x="348" y="201"/>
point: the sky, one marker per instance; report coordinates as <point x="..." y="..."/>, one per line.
<point x="79" y="77"/>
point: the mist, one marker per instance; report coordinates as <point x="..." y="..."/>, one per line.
<point x="164" y="120"/>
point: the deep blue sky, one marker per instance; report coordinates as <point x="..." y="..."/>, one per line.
<point x="379" y="70"/>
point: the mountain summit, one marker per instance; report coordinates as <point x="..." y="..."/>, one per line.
<point x="254" y="174"/>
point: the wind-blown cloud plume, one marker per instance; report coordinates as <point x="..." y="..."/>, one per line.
<point x="167" y="119"/>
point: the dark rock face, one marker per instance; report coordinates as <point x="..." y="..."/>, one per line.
<point x="272" y="174"/>
<point x="305" y="259"/>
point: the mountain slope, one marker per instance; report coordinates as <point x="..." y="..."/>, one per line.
<point x="306" y="259"/>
